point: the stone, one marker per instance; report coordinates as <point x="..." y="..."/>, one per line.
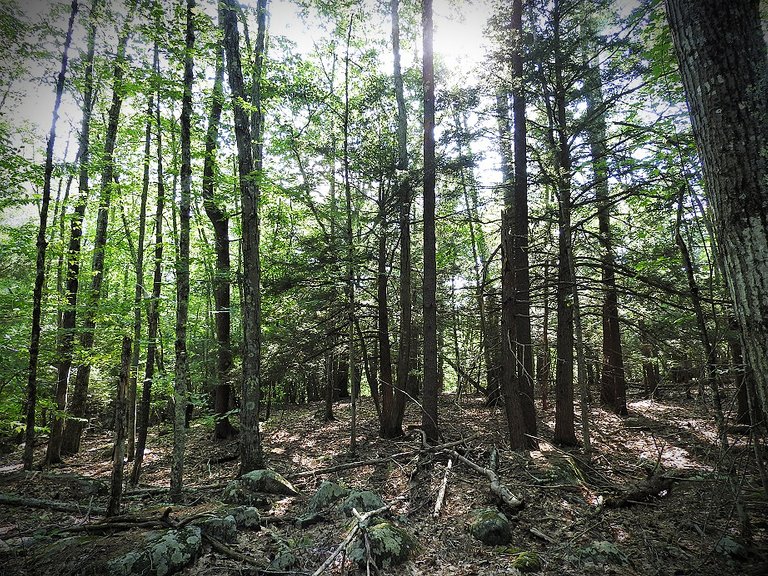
<point x="528" y="561"/>
<point x="326" y="496"/>
<point x="267" y="481"/>
<point x="389" y="544"/>
<point x="490" y="527"/>
<point x="222" y="528"/>
<point x="283" y="562"/>
<point x="236" y="493"/>
<point x="165" y="552"/>
<point x="362" y="500"/>
<point x="246" y="517"/>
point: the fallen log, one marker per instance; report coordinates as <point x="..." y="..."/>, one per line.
<point x="55" y="505"/>
<point x="642" y="492"/>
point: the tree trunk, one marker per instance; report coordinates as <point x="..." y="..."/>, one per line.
<point x="612" y="382"/>
<point x="722" y="55"/>
<point x="65" y="347"/>
<point x="74" y="428"/>
<point x="385" y="350"/>
<point x="153" y="310"/>
<point x="182" y="376"/>
<point x="118" y="452"/>
<point x="221" y="283"/>
<point x="429" y="422"/>
<point x="37" y="306"/>
<point x="251" y="457"/>
<point x="543" y="371"/>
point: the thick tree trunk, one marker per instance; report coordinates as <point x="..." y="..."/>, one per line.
<point x="722" y="55"/>
<point x="37" y="305"/>
<point x="153" y="310"/>
<point x="251" y="457"/>
<point x="66" y="344"/>
<point x="74" y="428"/>
<point x="429" y="422"/>
<point x="182" y="376"/>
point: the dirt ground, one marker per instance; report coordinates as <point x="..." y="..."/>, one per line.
<point x="709" y="518"/>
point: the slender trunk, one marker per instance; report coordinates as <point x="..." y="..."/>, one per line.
<point x="429" y="422"/>
<point x="385" y="350"/>
<point x="182" y="376"/>
<point x="118" y="451"/>
<point x="37" y="306"/>
<point x="394" y="417"/>
<point x="710" y="352"/>
<point x="724" y="66"/>
<point x="543" y="372"/>
<point x="74" y="428"/>
<point x="65" y="347"/>
<point x="221" y="283"/>
<point x="522" y="280"/>
<point x="251" y="457"/>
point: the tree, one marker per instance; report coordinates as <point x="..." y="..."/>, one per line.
<point x="429" y="421"/>
<point x="251" y="457"/>
<point x="722" y="56"/>
<point x="37" y="306"/>
<point x="182" y="377"/>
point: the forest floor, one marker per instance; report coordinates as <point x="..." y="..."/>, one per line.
<point x="690" y="524"/>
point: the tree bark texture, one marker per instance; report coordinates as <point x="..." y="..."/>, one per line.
<point x="251" y="457"/>
<point x="118" y="452"/>
<point x="429" y="422"/>
<point x="37" y="305"/>
<point x="182" y="376"/>
<point x="722" y="56"/>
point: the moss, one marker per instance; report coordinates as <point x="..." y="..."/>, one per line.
<point x="527" y="561"/>
<point x="390" y="545"/>
<point x="362" y="501"/>
<point x="490" y="527"/>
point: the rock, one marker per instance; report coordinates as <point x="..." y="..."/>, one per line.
<point x="222" y="528"/>
<point x="308" y="520"/>
<point x="236" y="493"/>
<point x="4" y="548"/>
<point x="164" y="552"/>
<point x="363" y="501"/>
<point x="326" y="496"/>
<point x="267" y="481"/>
<point x="246" y="517"/>
<point x="528" y="561"/>
<point x="491" y="527"/>
<point x="390" y="545"/>
<point x="283" y="562"/>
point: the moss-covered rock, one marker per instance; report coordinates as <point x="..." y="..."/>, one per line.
<point x="267" y="481"/>
<point x="246" y="517"/>
<point x="326" y="496"/>
<point x="163" y="553"/>
<point x="284" y="561"/>
<point x="361" y="500"/>
<point x="490" y="527"/>
<point x="527" y="561"/>
<point x="236" y="493"/>
<point x="389" y="544"/>
<point x="222" y="528"/>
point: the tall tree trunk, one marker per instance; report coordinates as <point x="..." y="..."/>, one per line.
<point x="153" y="310"/>
<point x="65" y="347"/>
<point x="385" y="350"/>
<point x="221" y="283"/>
<point x="37" y="306"/>
<point x="429" y="421"/>
<point x="522" y="280"/>
<point x="612" y="381"/>
<point x="139" y="291"/>
<point x="182" y="376"/>
<point x="118" y="452"/>
<point x="543" y="371"/>
<point x="74" y="427"/>
<point x="251" y="457"/>
<point x="722" y="55"/>
<point x="392" y="417"/>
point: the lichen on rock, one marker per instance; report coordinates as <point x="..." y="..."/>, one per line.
<point x="490" y="527"/>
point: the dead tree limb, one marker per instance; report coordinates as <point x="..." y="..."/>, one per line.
<point x="441" y="493"/>
<point x="501" y="492"/>
<point x="55" y="505"/>
<point x="641" y="492"/>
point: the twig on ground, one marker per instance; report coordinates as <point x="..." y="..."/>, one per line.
<point x="441" y="493"/>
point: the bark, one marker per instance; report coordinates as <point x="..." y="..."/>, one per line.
<point x="42" y="245"/>
<point x="221" y="283"/>
<point x="385" y="348"/>
<point x="429" y="421"/>
<point x="722" y="56"/>
<point x="74" y="427"/>
<point x="544" y="367"/>
<point x="182" y="376"/>
<point x="65" y="345"/>
<point x="118" y="453"/>
<point x="612" y="382"/>
<point x="251" y="457"/>
<point x="153" y="309"/>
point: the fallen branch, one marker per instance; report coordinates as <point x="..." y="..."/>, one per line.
<point x="441" y="493"/>
<point x="362" y="519"/>
<point x="497" y="488"/>
<point x="55" y="505"/>
<point x="641" y="492"/>
<point x="375" y="461"/>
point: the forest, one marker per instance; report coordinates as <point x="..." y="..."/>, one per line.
<point x="462" y="287"/>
